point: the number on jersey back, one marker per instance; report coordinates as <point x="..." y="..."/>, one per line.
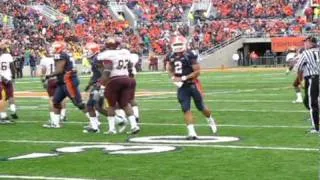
<point x="5" y="61"/>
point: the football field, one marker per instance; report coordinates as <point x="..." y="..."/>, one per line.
<point x="261" y="135"/>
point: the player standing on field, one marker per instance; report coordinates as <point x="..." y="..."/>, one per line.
<point x="308" y="63"/>
<point x="46" y="68"/>
<point x="7" y="73"/>
<point x="67" y="82"/>
<point x="184" y="71"/>
<point x="119" y="86"/>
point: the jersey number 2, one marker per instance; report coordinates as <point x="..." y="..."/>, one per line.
<point x="178" y="67"/>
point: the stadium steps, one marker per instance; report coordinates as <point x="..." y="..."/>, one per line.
<point x="120" y="7"/>
<point x="300" y="12"/>
<point x="205" y="5"/>
<point x="221" y="55"/>
<point x="50" y="13"/>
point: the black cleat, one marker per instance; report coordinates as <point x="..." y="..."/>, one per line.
<point x="6" y="121"/>
<point x="91" y="130"/>
<point x="192" y="138"/>
<point x="64" y="119"/>
<point x="14" y="116"/>
<point x="134" y="131"/>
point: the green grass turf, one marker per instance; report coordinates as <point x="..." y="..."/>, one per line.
<point x="255" y="106"/>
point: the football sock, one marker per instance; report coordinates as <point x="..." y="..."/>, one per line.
<point x="212" y="124"/>
<point x="56" y="119"/>
<point x="191" y="130"/>
<point x="51" y="116"/>
<point x="299" y="96"/>
<point x="63" y="113"/>
<point x="13" y="108"/>
<point x="97" y="114"/>
<point x="94" y="123"/>
<point x="135" y="111"/>
<point x="210" y="120"/>
<point x="133" y="122"/>
<point x="88" y="115"/>
<point x="111" y="122"/>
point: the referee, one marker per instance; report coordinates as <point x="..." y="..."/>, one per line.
<point x="309" y="65"/>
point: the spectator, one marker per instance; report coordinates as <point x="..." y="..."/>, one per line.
<point x="19" y="62"/>
<point x="33" y="65"/>
<point x="153" y="62"/>
<point x="254" y="58"/>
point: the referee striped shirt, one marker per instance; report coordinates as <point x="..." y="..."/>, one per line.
<point x="309" y="62"/>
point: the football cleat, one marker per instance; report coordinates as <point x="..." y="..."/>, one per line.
<point x="134" y="130"/>
<point x="6" y="121"/>
<point x="313" y="131"/>
<point x="122" y="126"/>
<point x="110" y="132"/>
<point x="51" y="126"/>
<point x="14" y="116"/>
<point x="87" y="126"/>
<point x="298" y="101"/>
<point x="64" y="119"/>
<point x="91" y="130"/>
<point x="192" y="138"/>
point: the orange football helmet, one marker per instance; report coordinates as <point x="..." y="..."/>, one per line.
<point x="179" y="44"/>
<point x="91" y="49"/>
<point x="57" y="47"/>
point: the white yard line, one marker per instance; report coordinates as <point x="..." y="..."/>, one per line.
<point x="43" y="108"/>
<point x="3" y="176"/>
<point x="222" y="100"/>
<point x="180" y="145"/>
<point x="168" y="124"/>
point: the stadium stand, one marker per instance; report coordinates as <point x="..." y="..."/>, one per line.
<point x="35" y="24"/>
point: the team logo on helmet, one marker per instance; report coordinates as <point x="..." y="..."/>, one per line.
<point x="57" y="47"/>
<point x="91" y="49"/>
<point x="179" y="44"/>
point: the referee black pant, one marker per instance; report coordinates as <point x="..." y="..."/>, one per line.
<point x="311" y="98"/>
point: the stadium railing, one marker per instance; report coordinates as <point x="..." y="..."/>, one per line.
<point x="50" y="13"/>
<point x="269" y="61"/>
<point x="253" y="35"/>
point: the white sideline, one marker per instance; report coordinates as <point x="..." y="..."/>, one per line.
<point x="3" y="176"/>
<point x="173" y="124"/>
<point x="180" y="145"/>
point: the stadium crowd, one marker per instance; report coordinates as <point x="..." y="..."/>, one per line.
<point x="157" y="21"/>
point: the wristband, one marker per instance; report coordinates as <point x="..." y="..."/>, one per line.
<point x="183" y="78"/>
